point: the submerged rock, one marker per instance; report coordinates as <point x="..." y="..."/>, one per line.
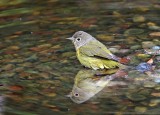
<point x="8" y="67"/>
<point x="124" y="51"/>
<point x="147" y="44"/>
<point x="135" y="47"/>
<point x="140" y="109"/>
<point x="156" y="47"/>
<point x="105" y="37"/>
<point x="152" y="52"/>
<point x="157" y="80"/>
<point x="136" y="97"/>
<point x="155" y="94"/>
<point x="114" y="50"/>
<point x="133" y="31"/>
<point x="154" y="102"/>
<point x="13" y="48"/>
<point x="155" y="34"/>
<point x="149" y="84"/>
<point x="139" y="18"/>
<point x="143" y="67"/>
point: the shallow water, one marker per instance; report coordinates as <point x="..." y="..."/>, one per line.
<point x="39" y="66"/>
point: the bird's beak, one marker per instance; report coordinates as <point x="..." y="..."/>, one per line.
<point x="71" y="38"/>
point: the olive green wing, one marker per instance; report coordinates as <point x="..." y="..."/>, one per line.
<point x="95" y="48"/>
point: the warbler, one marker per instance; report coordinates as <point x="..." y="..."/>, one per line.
<point x="86" y="85"/>
<point x="93" y="54"/>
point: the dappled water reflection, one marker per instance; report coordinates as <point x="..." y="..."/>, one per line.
<point x="39" y="66"/>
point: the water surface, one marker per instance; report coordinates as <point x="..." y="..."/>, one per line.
<point x="39" y="66"/>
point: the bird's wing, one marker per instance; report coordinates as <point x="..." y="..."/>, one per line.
<point x="95" y="48"/>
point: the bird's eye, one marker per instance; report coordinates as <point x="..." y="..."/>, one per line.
<point x="78" y="39"/>
<point x="76" y="95"/>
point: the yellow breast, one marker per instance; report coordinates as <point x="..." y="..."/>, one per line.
<point x="95" y="63"/>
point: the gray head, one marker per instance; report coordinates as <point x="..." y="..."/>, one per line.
<point x="79" y="96"/>
<point x="80" y="38"/>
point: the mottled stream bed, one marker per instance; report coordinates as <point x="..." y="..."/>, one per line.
<point x="39" y="67"/>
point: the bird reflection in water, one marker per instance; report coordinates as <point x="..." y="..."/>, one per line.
<point x="87" y="83"/>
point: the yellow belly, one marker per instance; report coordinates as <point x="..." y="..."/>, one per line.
<point x="96" y="63"/>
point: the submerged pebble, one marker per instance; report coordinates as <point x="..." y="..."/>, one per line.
<point x="135" y="47"/>
<point x="155" y="34"/>
<point x="157" y="80"/>
<point x="8" y="74"/>
<point x="136" y="97"/>
<point x="44" y="46"/>
<point x="17" y="60"/>
<point x="114" y="50"/>
<point x="140" y="109"/>
<point x="131" y="39"/>
<point x="149" y="84"/>
<point x="155" y="94"/>
<point x="105" y="37"/>
<point x="33" y="57"/>
<point x="154" y="102"/>
<point x="13" y="48"/>
<point x="158" y="58"/>
<point x="154" y="27"/>
<point x="143" y="67"/>
<point x="152" y="52"/>
<point x="8" y="67"/>
<point x="156" y="47"/>
<point x="124" y="51"/>
<point x="139" y="18"/>
<point x="147" y="44"/>
<point x="68" y="54"/>
<point x="133" y="31"/>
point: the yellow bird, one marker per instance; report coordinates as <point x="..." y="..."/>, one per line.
<point x="87" y="85"/>
<point x="93" y="54"/>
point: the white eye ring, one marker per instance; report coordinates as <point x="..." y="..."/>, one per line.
<point x="76" y="95"/>
<point x="78" y="39"/>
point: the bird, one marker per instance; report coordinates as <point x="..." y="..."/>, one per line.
<point x="87" y="85"/>
<point x="92" y="53"/>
